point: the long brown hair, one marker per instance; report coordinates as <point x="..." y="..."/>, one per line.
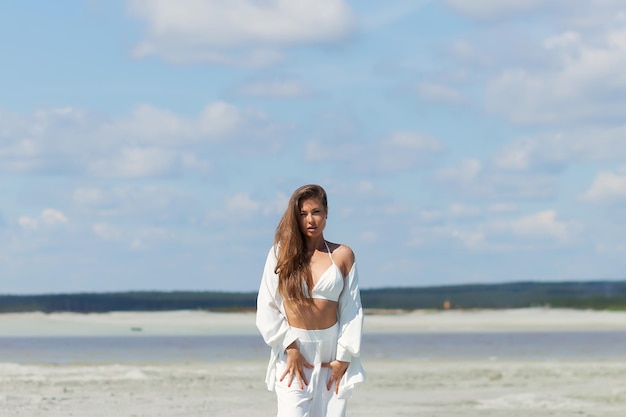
<point x="293" y="266"/>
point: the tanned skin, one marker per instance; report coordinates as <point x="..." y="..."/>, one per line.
<point x="319" y="314"/>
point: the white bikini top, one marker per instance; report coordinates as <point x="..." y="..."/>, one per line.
<point x="329" y="284"/>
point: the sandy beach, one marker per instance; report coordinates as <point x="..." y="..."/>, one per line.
<point x="171" y="323"/>
<point x="481" y="387"/>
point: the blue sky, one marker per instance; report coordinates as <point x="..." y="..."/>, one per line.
<point x="152" y="145"/>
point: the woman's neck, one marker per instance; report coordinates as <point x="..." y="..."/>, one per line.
<point x="317" y="243"/>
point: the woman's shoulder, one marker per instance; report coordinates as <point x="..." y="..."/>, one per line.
<point x="343" y="255"/>
<point x="343" y="251"/>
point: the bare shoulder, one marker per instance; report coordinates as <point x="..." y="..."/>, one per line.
<point x="343" y="257"/>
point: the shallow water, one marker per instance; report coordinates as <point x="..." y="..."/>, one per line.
<point x="599" y="345"/>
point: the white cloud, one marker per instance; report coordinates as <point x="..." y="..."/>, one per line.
<point x="25" y="143"/>
<point x="454" y="212"/>
<point x="402" y="151"/>
<point x="106" y="231"/>
<point x="459" y="210"/>
<point x="531" y="232"/>
<point x="471" y="240"/>
<point x="607" y="188"/>
<point x="589" y="13"/>
<point x="430" y="215"/>
<point x="147" y="142"/>
<point x="466" y="172"/>
<point x="20" y="157"/>
<point x="241" y="207"/>
<point x="462" y="50"/>
<point x="318" y="151"/>
<point x="368" y="236"/>
<point x="541" y="225"/>
<point x="472" y="179"/>
<point x="399" y="151"/>
<point x="277" y="205"/>
<point x="562" y="40"/>
<point x="52" y="217"/>
<point x="502" y="208"/>
<point x="237" y="32"/>
<point x="136" y="203"/>
<point x="438" y="93"/>
<point x="138" y="239"/>
<point x="548" y="151"/>
<point x="413" y="141"/>
<point x="516" y="156"/>
<point x="463" y="212"/>
<point x="540" y="153"/>
<point x="431" y="236"/>
<point x="275" y="89"/>
<point x="136" y="163"/>
<point x="389" y="12"/>
<point x="611" y="248"/>
<point x="242" y="202"/>
<point x="494" y="9"/>
<point x="585" y="84"/>
<point x="220" y="118"/>
<point x="577" y="13"/>
<point x="150" y="125"/>
<point x="365" y="188"/>
<point x="48" y="218"/>
<point x="88" y="196"/>
<point x="28" y="223"/>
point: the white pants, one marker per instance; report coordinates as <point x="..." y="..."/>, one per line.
<point x="317" y="347"/>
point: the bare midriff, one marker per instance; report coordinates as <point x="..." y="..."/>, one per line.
<point x="319" y="314"/>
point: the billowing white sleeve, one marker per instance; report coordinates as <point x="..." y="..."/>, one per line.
<point x="270" y="320"/>
<point x="350" y="316"/>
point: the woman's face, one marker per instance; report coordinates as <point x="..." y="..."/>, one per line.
<point x="312" y="218"/>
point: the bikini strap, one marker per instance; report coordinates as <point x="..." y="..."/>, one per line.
<point x="329" y="253"/>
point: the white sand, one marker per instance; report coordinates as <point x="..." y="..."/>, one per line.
<point x="393" y="389"/>
<point x="201" y="322"/>
<point x="525" y="319"/>
<point x="469" y="388"/>
<point x="123" y="323"/>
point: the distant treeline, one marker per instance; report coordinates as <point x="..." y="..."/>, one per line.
<point x="591" y="295"/>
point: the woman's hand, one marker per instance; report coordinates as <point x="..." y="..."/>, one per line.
<point x="337" y="369"/>
<point x="295" y="366"/>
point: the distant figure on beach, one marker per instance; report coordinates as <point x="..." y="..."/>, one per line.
<point x="309" y="312"/>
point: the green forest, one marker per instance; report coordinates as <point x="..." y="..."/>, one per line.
<point x="600" y="295"/>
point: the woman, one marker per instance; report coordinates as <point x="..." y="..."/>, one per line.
<point x="309" y="312"/>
